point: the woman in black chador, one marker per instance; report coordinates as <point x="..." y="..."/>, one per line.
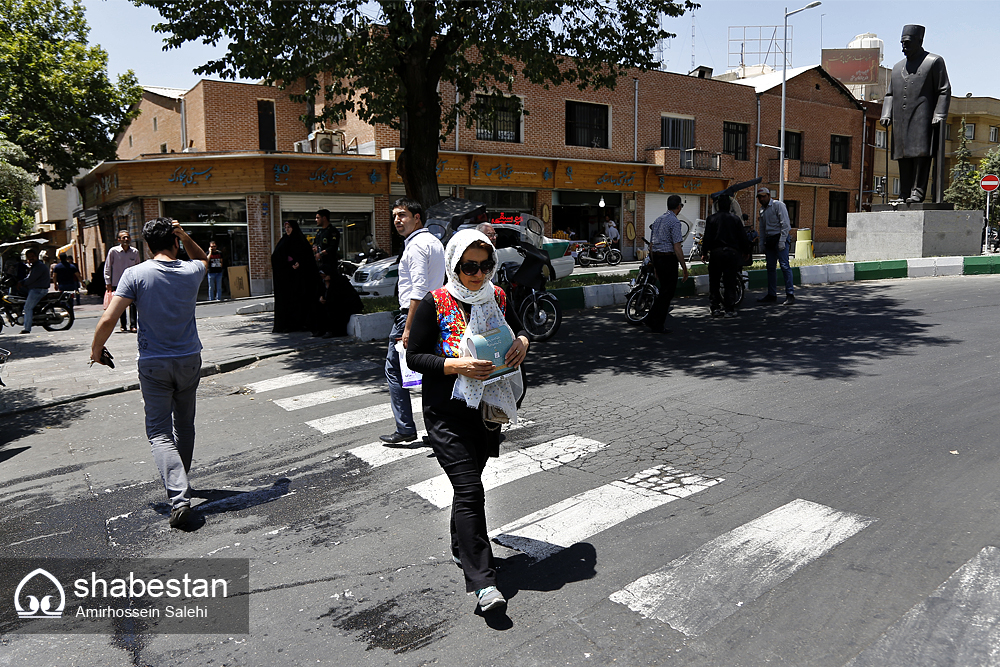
<point x="296" y="281"/>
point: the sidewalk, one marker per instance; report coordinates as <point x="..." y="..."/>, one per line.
<point x="50" y="368"/>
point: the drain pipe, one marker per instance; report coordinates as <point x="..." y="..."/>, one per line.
<point x="756" y="173"/>
<point x="864" y="149"/>
<point x="635" y="120"/>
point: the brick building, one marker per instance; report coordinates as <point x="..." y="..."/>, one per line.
<point x="571" y="158"/>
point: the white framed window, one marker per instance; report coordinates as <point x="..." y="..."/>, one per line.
<point x="994" y="134"/>
<point x="970" y="131"/>
<point x="895" y="186"/>
<point x="881" y="139"/>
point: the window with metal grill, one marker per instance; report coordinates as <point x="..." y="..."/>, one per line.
<point x="676" y="132"/>
<point x="587" y="124"/>
<point x="734" y="139"/>
<point x="501" y="120"/>
<point x="840" y="150"/>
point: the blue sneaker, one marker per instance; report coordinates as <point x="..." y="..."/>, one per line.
<point x="490" y="598"/>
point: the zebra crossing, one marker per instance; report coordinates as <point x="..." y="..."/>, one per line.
<point x="693" y="593"/>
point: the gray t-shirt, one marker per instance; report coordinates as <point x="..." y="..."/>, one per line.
<point x="165" y="294"/>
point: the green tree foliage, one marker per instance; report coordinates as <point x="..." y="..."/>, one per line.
<point x="388" y="57"/>
<point x="964" y="191"/>
<point x="17" y="191"/>
<point x="58" y="103"/>
<point x="990" y="164"/>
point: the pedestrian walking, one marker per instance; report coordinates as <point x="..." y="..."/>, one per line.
<point x="66" y="274"/>
<point x="726" y="245"/>
<point x="666" y="252"/>
<point x="216" y="265"/>
<point x="120" y="258"/>
<point x="165" y="291"/>
<point x="454" y="395"/>
<point x="296" y="281"/>
<point x="36" y="285"/>
<point x="611" y="231"/>
<point x="776" y="227"/>
<point x="421" y="270"/>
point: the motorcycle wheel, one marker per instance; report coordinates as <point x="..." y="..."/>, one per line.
<point x="541" y="317"/>
<point x="639" y="303"/>
<point x="58" y="317"/>
<point x="583" y="259"/>
<point x="614" y="257"/>
<point x="740" y="290"/>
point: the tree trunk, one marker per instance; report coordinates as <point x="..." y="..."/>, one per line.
<point x="418" y="164"/>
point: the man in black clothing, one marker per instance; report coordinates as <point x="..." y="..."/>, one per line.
<point x="326" y="245"/>
<point x="726" y="244"/>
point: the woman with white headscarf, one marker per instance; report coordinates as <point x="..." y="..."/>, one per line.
<point x="454" y="394"/>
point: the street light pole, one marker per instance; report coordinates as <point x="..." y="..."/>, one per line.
<point x="784" y="80"/>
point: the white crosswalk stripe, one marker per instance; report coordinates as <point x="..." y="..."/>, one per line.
<point x="326" y="396"/>
<point x="303" y="377"/>
<point x="513" y="466"/>
<point x="354" y="418"/>
<point x="958" y="624"/>
<point x="745" y="563"/>
<point x="550" y="530"/>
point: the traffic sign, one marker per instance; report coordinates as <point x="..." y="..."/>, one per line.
<point x="989" y="183"/>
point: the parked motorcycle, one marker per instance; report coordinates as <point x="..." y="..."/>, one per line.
<point x="373" y="254"/>
<point x="54" y="312"/>
<point x="642" y="293"/>
<point x="539" y="310"/>
<point x="600" y="250"/>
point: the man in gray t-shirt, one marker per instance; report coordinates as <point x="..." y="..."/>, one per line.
<point x="164" y="290"/>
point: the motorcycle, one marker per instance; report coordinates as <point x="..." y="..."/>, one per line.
<point x="54" y="312"/>
<point x="642" y="293"/>
<point x="539" y="310"/>
<point x="600" y="250"/>
<point x="373" y="254"/>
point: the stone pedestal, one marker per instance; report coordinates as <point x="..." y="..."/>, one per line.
<point x="905" y="234"/>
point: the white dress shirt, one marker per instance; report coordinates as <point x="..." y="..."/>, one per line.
<point x="421" y="269"/>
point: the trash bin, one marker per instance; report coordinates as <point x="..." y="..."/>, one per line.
<point x="803" y="244"/>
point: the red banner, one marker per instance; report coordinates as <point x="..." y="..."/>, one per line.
<point x="852" y="65"/>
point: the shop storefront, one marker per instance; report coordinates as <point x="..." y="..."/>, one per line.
<point x="504" y="206"/>
<point x="582" y="214"/>
<point x="353" y="216"/>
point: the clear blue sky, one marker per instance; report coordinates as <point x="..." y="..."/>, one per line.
<point x="962" y="31"/>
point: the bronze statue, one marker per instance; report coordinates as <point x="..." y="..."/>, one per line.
<point x="916" y="105"/>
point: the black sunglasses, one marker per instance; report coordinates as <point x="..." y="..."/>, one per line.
<point x="471" y="268"/>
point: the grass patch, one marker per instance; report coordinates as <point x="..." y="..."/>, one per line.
<point x="380" y="304"/>
<point x="584" y="279"/>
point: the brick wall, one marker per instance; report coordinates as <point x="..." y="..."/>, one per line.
<point x="167" y="114"/>
<point x="259" y="232"/>
<point x="230" y="116"/>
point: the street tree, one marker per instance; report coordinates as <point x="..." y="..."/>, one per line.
<point x="58" y="104"/>
<point x="964" y="191"/>
<point x="17" y="191"/>
<point x="385" y="60"/>
<point x="990" y="164"/>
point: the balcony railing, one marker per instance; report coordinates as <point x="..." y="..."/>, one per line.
<point x="701" y="160"/>
<point x="815" y="169"/>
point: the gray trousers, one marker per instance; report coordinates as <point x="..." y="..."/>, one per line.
<point x="169" y="389"/>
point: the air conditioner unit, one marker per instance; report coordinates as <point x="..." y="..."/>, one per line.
<point x="327" y="142"/>
<point x="303" y="146"/>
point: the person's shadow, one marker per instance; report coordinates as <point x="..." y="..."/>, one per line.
<point x="520" y="572"/>
<point x="218" y="501"/>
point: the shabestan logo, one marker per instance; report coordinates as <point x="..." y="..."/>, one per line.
<point x="39" y="608"/>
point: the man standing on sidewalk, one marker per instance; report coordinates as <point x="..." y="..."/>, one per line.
<point x="666" y="252"/>
<point x="725" y="244"/>
<point x="774" y="220"/>
<point x="216" y="264"/>
<point x="326" y="243"/>
<point x="37" y="285"/>
<point x="421" y="270"/>
<point x="121" y="257"/>
<point x="165" y="290"/>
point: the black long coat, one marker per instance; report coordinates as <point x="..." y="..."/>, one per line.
<point x="918" y="93"/>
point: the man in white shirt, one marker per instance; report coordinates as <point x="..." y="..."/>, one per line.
<point x="121" y="257"/>
<point x="421" y="270"/>
<point x="777" y="226"/>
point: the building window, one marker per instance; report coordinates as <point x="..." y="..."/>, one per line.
<point x="970" y="131"/>
<point x="266" y="129"/>
<point x="502" y="118"/>
<point x="676" y="132"/>
<point x="838" y="209"/>
<point x="881" y="137"/>
<point x="734" y="139"/>
<point x="587" y="124"/>
<point x="994" y="134"/>
<point x="154" y="124"/>
<point x="163" y="148"/>
<point x="793" y="145"/>
<point x="947" y="132"/>
<point x="840" y="150"/>
<point x="895" y="186"/>
<point x="793" y="211"/>
<point x="130" y="141"/>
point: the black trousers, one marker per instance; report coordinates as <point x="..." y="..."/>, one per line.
<point x="723" y="271"/>
<point x="914" y="173"/>
<point x="665" y="265"/>
<point x="470" y="540"/>
<point x="132" y="316"/>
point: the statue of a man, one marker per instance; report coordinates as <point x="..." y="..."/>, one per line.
<point x="916" y="105"/>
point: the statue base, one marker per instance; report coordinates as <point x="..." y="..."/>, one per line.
<point x="900" y="205"/>
<point x="905" y="234"/>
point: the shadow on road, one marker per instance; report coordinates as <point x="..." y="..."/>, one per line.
<point x="16" y="427"/>
<point x="827" y="335"/>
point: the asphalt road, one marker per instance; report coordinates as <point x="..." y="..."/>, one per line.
<point x="812" y="485"/>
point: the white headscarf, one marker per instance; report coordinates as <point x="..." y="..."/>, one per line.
<point x="485" y="315"/>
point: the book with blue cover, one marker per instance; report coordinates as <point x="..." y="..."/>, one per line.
<point x="492" y="346"/>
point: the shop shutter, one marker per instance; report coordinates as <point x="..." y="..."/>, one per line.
<point x="335" y="203"/>
<point x="399" y="190"/>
